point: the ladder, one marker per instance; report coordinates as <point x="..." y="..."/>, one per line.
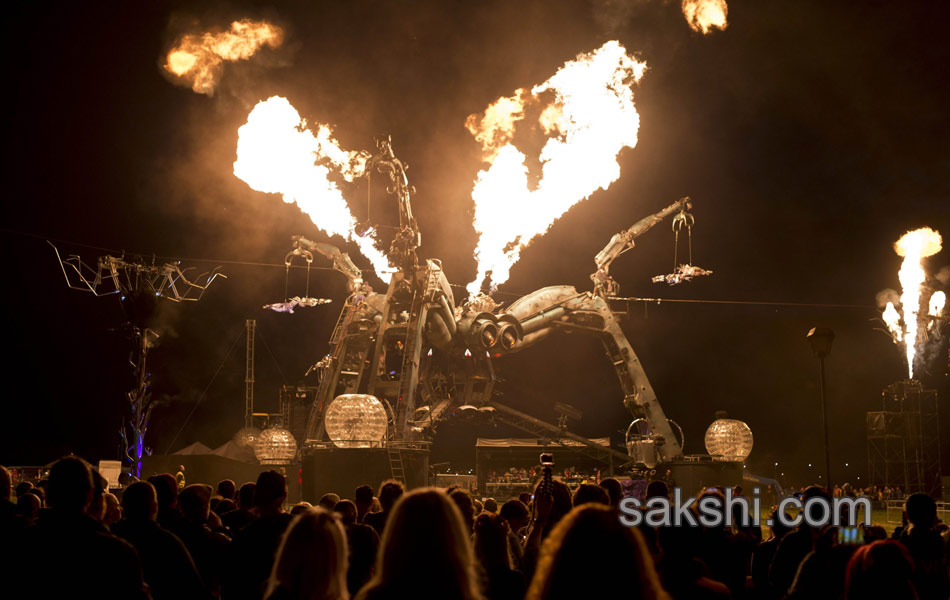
<point x="395" y="465"/>
<point x="320" y="399"/>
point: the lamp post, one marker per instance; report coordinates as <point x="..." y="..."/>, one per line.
<point x="820" y="339"/>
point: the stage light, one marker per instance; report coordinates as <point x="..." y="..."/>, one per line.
<point x="356" y="421"/>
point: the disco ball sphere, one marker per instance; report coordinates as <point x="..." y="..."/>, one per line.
<point x="730" y="439"/>
<point x="275" y="445"/>
<point x="246" y="436"/>
<point x="356" y="421"/>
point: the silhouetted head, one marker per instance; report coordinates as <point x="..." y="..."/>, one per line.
<point x="300" y="508"/>
<point x="195" y="502"/>
<point x="166" y="490"/>
<point x="226" y="489"/>
<point x="139" y="501"/>
<point x="389" y="492"/>
<point x="347" y="511"/>
<point x="614" y="490"/>
<point x="363" y="498"/>
<point x="225" y="505"/>
<point x="491" y="541"/>
<point x="491" y="505"/>
<point x="113" y="511"/>
<point x="271" y="491"/>
<point x="23" y="487"/>
<point x="466" y="505"/>
<point x="921" y="510"/>
<point x="246" y="495"/>
<point x="588" y="493"/>
<point x="311" y="561"/>
<point x="28" y="506"/>
<point x="516" y="513"/>
<point x="328" y="501"/>
<point x="425" y="528"/>
<point x="657" y="489"/>
<point x="70" y="485"/>
<point x="880" y="570"/>
<point x="591" y="539"/>
<point x="563" y="503"/>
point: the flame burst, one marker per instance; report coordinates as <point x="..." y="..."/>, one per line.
<point x="197" y="60"/>
<point x="914" y="246"/>
<point x="704" y="15"/>
<point x="587" y="112"/>
<point x="278" y="154"/>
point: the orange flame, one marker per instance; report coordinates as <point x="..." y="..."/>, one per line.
<point x="198" y="60"/>
<point x="704" y="15"/>
<point x="278" y="154"/>
<point x="937" y="301"/>
<point x="588" y="116"/>
<point x="913" y="246"/>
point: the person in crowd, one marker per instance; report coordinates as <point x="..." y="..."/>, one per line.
<point x="491" y="505"/>
<point x="363" y="498"/>
<point x="224" y="506"/>
<point x="226" y="489"/>
<point x="67" y="547"/>
<point x="882" y="569"/>
<point x="795" y="546"/>
<point x="28" y="507"/>
<point x="614" y="491"/>
<point x="328" y="501"/>
<point x="113" y="512"/>
<point x="549" y="509"/>
<point x="166" y="489"/>
<point x="518" y="517"/>
<point x="477" y="506"/>
<point x="254" y="547"/>
<point x="591" y="539"/>
<point x="588" y="492"/>
<point x="466" y="504"/>
<point x="300" y="507"/>
<point x="180" y="478"/>
<point x="525" y="498"/>
<point x="425" y="528"/>
<point x="208" y="548"/>
<point x="389" y="492"/>
<point x="97" y="507"/>
<point x="725" y="554"/>
<point x="363" y="543"/>
<point x="239" y="518"/>
<point x="168" y="567"/>
<point x="681" y="571"/>
<point x="23" y="487"/>
<point x="764" y="553"/>
<point x="499" y="580"/>
<point x="821" y="574"/>
<point x="655" y="489"/>
<point x="927" y="547"/>
<point x="311" y="561"/>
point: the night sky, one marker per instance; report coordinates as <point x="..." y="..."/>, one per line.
<point x="810" y="134"/>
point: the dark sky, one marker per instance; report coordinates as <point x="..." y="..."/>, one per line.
<point x="810" y="134"/>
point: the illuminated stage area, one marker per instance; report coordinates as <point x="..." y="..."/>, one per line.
<point x="619" y="221"/>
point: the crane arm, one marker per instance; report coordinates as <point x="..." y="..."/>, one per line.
<point x="623" y="241"/>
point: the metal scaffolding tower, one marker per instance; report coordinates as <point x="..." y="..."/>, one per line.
<point x="904" y="440"/>
<point x="251" y="325"/>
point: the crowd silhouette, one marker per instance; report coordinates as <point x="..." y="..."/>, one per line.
<point x="67" y="536"/>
